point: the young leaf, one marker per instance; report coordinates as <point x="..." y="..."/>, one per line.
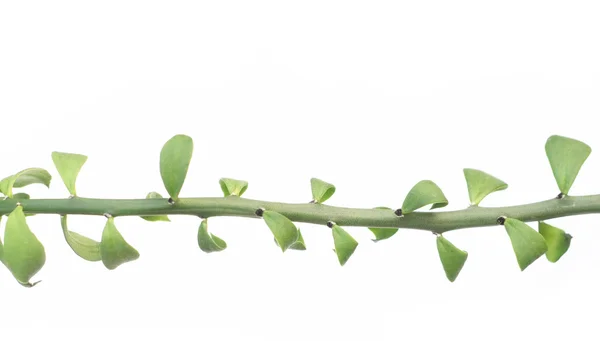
<point x="284" y="230"/>
<point x="83" y="246"/>
<point x="566" y="157"/>
<point x="175" y="158"/>
<point x="68" y="166"/>
<point x="114" y="250"/>
<point x="24" y="255"/>
<point x="154" y="195"/>
<point x="452" y="258"/>
<point x="321" y="190"/>
<point x="425" y="192"/>
<point x="23" y="178"/>
<point x="480" y="184"/>
<point x="233" y="186"/>
<point x="298" y="245"/>
<point x="382" y="233"/>
<point x="557" y="240"/>
<point x="527" y="243"/>
<point x="344" y="244"/>
<point x="208" y="242"/>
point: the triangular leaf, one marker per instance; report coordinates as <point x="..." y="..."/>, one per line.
<point x="480" y="184"/>
<point x="566" y="157"/>
<point x="23" y="178"/>
<point x="113" y="247"/>
<point x="83" y="246"/>
<point x="321" y="190"/>
<point x="208" y="242"/>
<point x="344" y="243"/>
<point x="68" y="166"/>
<point x="283" y="229"/>
<point x="452" y="258"/>
<point x="233" y="186"/>
<point x="527" y="243"/>
<point x="382" y="233"/>
<point x="24" y="255"/>
<point x="154" y="195"/>
<point x="425" y="192"/>
<point x="558" y="241"/>
<point x="299" y="245"/>
<point x="175" y="158"/>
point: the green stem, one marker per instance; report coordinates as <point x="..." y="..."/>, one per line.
<point x="435" y="221"/>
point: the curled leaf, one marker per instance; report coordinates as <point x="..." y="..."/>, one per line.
<point x="83" y="246"/>
<point x="452" y="258"/>
<point x="425" y="192"/>
<point x="566" y="157"/>
<point x="527" y="243"/>
<point x="114" y="250"/>
<point x="24" y="255"/>
<point x="154" y="195"/>
<point x="208" y="242"/>
<point x="382" y="233"/>
<point x="175" y="158"/>
<point x="558" y="241"/>
<point x="68" y="166"/>
<point x="23" y="178"/>
<point x="321" y="190"/>
<point x="480" y="184"/>
<point x="298" y="245"/>
<point x="233" y="186"/>
<point x="283" y="229"/>
<point x="344" y="243"/>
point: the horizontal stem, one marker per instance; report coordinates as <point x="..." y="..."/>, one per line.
<point x="438" y="222"/>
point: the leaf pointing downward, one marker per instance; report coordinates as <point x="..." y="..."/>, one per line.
<point x="208" y="242"/>
<point x="453" y="259"/>
<point x="283" y="229"/>
<point x="480" y="184"/>
<point x="83" y="246"/>
<point x="68" y="166"/>
<point x="527" y="243"/>
<point x="344" y="243"/>
<point x="425" y="192"/>
<point x="566" y="157"/>
<point x="113" y="247"/>
<point x="558" y="241"/>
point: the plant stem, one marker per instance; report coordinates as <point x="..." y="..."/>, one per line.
<point x="438" y="222"/>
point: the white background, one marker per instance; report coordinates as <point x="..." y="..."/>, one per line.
<point x="372" y="96"/>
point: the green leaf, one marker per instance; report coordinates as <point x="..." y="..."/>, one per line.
<point x="175" y="158"/>
<point x="1" y="247"/>
<point x="23" y="178"/>
<point x="344" y="244"/>
<point x="299" y="245"/>
<point x="83" y="246"/>
<point x="321" y="190"/>
<point x="480" y="184"/>
<point x="155" y="195"/>
<point x="425" y="192"/>
<point x="558" y="241"/>
<point x="113" y="247"/>
<point x="566" y="157"/>
<point x="24" y="255"/>
<point x="208" y="242"/>
<point x="284" y="230"/>
<point x="527" y="243"/>
<point x="452" y="258"/>
<point x="233" y="186"/>
<point x="68" y="166"/>
<point x="382" y="233"/>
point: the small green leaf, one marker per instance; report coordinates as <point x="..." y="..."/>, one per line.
<point x="284" y="230"/>
<point x="23" y="178"/>
<point x="321" y="190"/>
<point x="452" y="258"/>
<point x="480" y="184"/>
<point x="208" y="242"/>
<point x="83" y="246"/>
<point x="114" y="250"/>
<point x="425" y="192"/>
<point x="68" y="166"/>
<point x="24" y="255"/>
<point x="175" y="158"/>
<point x="344" y="244"/>
<point x="1" y="247"/>
<point x="527" y="243"/>
<point x="566" y="157"/>
<point x="298" y="245"/>
<point x="382" y="233"/>
<point x="154" y="195"/>
<point x="558" y="241"/>
<point x="233" y="186"/>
